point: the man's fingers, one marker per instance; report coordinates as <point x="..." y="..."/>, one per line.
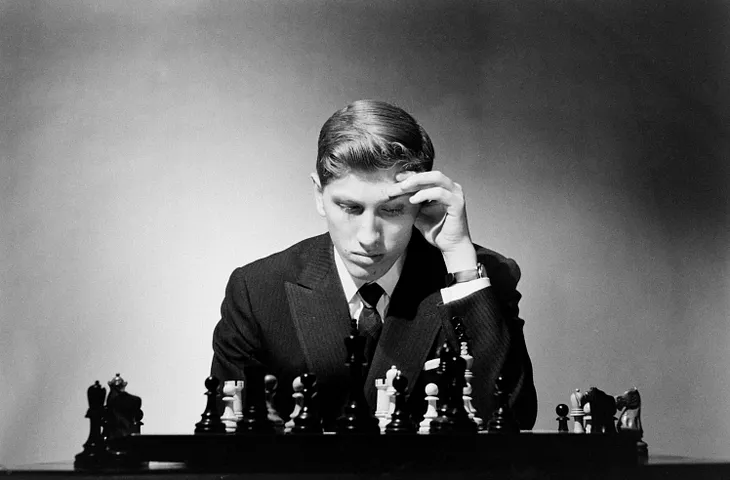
<point x="438" y="195"/>
<point x="420" y="181"/>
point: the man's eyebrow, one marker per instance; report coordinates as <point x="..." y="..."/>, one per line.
<point x="393" y="197"/>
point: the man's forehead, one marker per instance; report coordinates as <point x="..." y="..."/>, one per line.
<point x="364" y="186"/>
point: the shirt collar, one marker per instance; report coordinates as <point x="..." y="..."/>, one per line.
<point x="350" y="285"/>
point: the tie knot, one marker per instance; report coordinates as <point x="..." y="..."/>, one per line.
<point x="370" y="294"/>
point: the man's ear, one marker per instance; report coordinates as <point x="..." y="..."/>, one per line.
<point x="319" y="201"/>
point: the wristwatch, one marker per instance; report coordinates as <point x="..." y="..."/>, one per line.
<point x="466" y="275"/>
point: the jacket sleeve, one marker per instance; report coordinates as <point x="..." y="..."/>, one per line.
<point x="236" y="338"/>
<point x="495" y="332"/>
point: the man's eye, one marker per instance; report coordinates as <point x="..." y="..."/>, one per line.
<point x="350" y="209"/>
<point x="393" y="212"/>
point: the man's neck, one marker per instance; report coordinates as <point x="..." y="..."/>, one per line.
<point x="351" y="285"/>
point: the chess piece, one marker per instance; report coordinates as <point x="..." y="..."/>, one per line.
<point x="452" y="416"/>
<point x="270" y="385"/>
<point x="602" y="410"/>
<point x="121" y="409"/>
<point x="122" y="417"/>
<point x="468" y="379"/>
<point x="308" y="420"/>
<point x="357" y="417"/>
<point x="390" y="389"/>
<point x="231" y="388"/>
<point x="298" y="397"/>
<point x="576" y="411"/>
<point x="385" y="403"/>
<point x="562" y="413"/>
<point x="502" y="420"/>
<point x="630" y="418"/>
<point x="401" y="421"/>
<point x="382" y="403"/>
<point x="255" y="418"/>
<point x="588" y="419"/>
<point x="432" y="391"/>
<point x="210" y="419"/>
<point x="94" y="450"/>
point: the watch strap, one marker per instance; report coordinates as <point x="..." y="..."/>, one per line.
<point x="464" y="276"/>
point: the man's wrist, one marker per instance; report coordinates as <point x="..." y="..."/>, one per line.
<point x="460" y="259"/>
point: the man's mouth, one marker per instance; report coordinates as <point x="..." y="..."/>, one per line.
<point x="367" y="257"/>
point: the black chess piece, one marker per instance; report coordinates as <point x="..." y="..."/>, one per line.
<point x="401" y="421"/>
<point x="503" y="420"/>
<point x="452" y="416"/>
<point x="603" y="409"/>
<point x="121" y="415"/>
<point x="562" y="411"/>
<point x="308" y="420"/>
<point x="210" y="421"/>
<point x="122" y="408"/>
<point x="270" y="386"/>
<point x="357" y="417"/>
<point x="94" y="452"/>
<point x="255" y="415"/>
<point x="460" y="331"/>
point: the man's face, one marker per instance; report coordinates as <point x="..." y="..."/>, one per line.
<point x="369" y="229"/>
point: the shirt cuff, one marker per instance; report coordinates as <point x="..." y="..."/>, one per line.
<point x="461" y="290"/>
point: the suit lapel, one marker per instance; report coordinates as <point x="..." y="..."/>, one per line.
<point x="413" y="319"/>
<point x="318" y="307"/>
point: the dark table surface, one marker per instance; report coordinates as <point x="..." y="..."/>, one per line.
<point x="657" y="466"/>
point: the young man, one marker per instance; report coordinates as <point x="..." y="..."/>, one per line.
<point x="397" y="228"/>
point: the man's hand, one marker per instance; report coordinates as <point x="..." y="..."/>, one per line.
<point x="442" y="217"/>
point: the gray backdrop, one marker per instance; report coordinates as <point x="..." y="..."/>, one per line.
<point x="148" y="148"/>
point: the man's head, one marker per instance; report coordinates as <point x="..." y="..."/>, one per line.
<point x="362" y="148"/>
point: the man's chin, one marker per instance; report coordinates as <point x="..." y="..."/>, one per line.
<point x="368" y="273"/>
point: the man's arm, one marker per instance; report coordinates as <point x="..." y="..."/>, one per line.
<point x="235" y="338"/>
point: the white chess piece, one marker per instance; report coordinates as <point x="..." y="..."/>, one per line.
<point x="238" y="399"/>
<point x="298" y="397"/>
<point x="229" y="415"/>
<point x="432" y="391"/>
<point x="467" y="391"/>
<point x="576" y="411"/>
<point x="469" y="407"/>
<point x="384" y="405"/>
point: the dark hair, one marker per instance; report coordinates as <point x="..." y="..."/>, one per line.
<point x="369" y="135"/>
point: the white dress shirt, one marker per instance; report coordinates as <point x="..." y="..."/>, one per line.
<point x="388" y="281"/>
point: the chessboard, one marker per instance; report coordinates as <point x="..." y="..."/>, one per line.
<point x="250" y="435"/>
<point x="332" y="453"/>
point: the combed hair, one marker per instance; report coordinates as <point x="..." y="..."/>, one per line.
<point x="369" y="135"/>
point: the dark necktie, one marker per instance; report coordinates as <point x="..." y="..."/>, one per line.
<point x="370" y="324"/>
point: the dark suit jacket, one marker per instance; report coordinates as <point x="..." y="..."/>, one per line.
<point x="288" y="312"/>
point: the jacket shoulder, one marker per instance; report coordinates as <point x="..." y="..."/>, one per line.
<point x="284" y="263"/>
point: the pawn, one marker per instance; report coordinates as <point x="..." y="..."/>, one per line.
<point x="255" y="414"/>
<point x="390" y="389"/>
<point x="308" y="420"/>
<point x="298" y="397"/>
<point x="502" y="420"/>
<point x="432" y="391"/>
<point x="562" y="412"/>
<point x="270" y="385"/>
<point x="94" y="448"/>
<point x="210" y="419"/>
<point x="401" y="421"/>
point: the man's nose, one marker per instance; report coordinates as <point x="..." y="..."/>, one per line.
<point x="368" y="233"/>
